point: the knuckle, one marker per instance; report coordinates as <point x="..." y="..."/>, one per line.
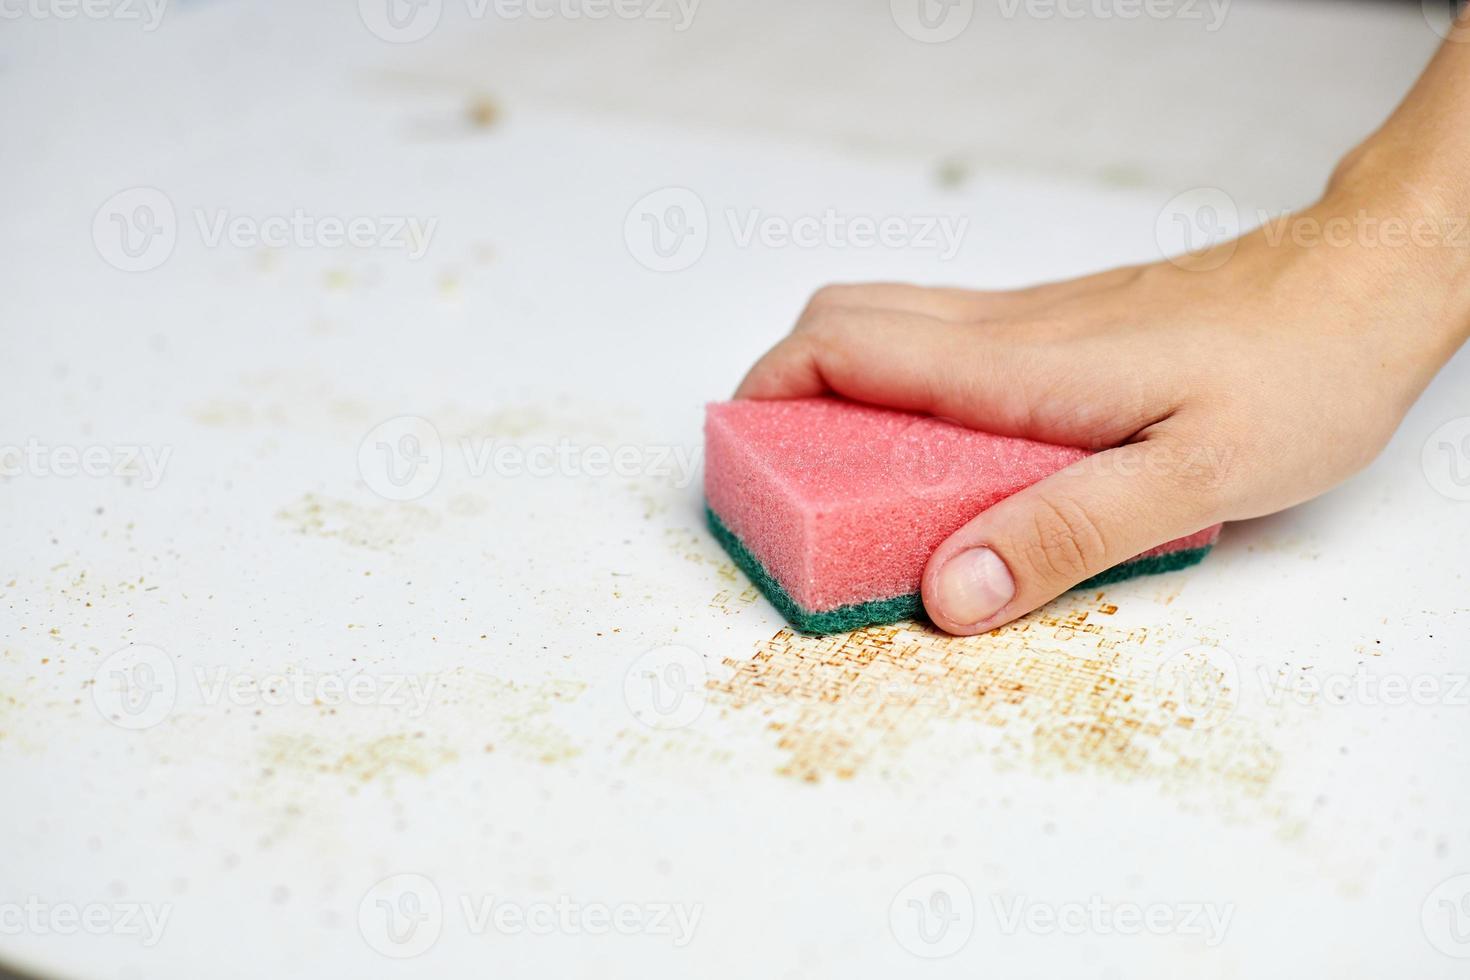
<point x="828" y="297"/>
<point x="822" y="326"/>
<point x="1066" y="543"/>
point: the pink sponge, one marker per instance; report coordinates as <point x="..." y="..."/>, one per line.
<point x="833" y="508"/>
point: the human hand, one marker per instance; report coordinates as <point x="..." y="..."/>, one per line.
<point x="1219" y="386"/>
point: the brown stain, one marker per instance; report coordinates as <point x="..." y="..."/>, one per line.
<point x="469" y="713"/>
<point x="698" y="548"/>
<point x="277" y="400"/>
<point x="519" y="717"/>
<point x="730" y="602"/>
<point x="483" y="112"/>
<point x="377" y="527"/>
<point x="298" y="401"/>
<point x="1056" y="690"/>
<point x="363" y="761"/>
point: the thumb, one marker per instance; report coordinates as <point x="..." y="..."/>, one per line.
<point x="1038" y="543"/>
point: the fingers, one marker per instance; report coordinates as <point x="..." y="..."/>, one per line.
<point x="898" y="359"/>
<point x="961" y="305"/>
<point x="791" y="369"/>
<point x="1037" y="544"/>
<point x="838" y="343"/>
<point x="1036" y="378"/>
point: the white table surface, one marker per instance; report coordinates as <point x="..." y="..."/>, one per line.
<point x="798" y="794"/>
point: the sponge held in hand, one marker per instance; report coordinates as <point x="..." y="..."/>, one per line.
<point x="833" y="508"/>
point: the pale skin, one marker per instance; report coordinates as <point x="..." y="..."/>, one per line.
<point x="1217" y="387"/>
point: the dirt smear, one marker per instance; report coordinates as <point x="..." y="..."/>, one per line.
<point x="1060" y="690"/>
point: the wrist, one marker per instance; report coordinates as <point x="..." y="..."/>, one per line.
<point x="1404" y="227"/>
